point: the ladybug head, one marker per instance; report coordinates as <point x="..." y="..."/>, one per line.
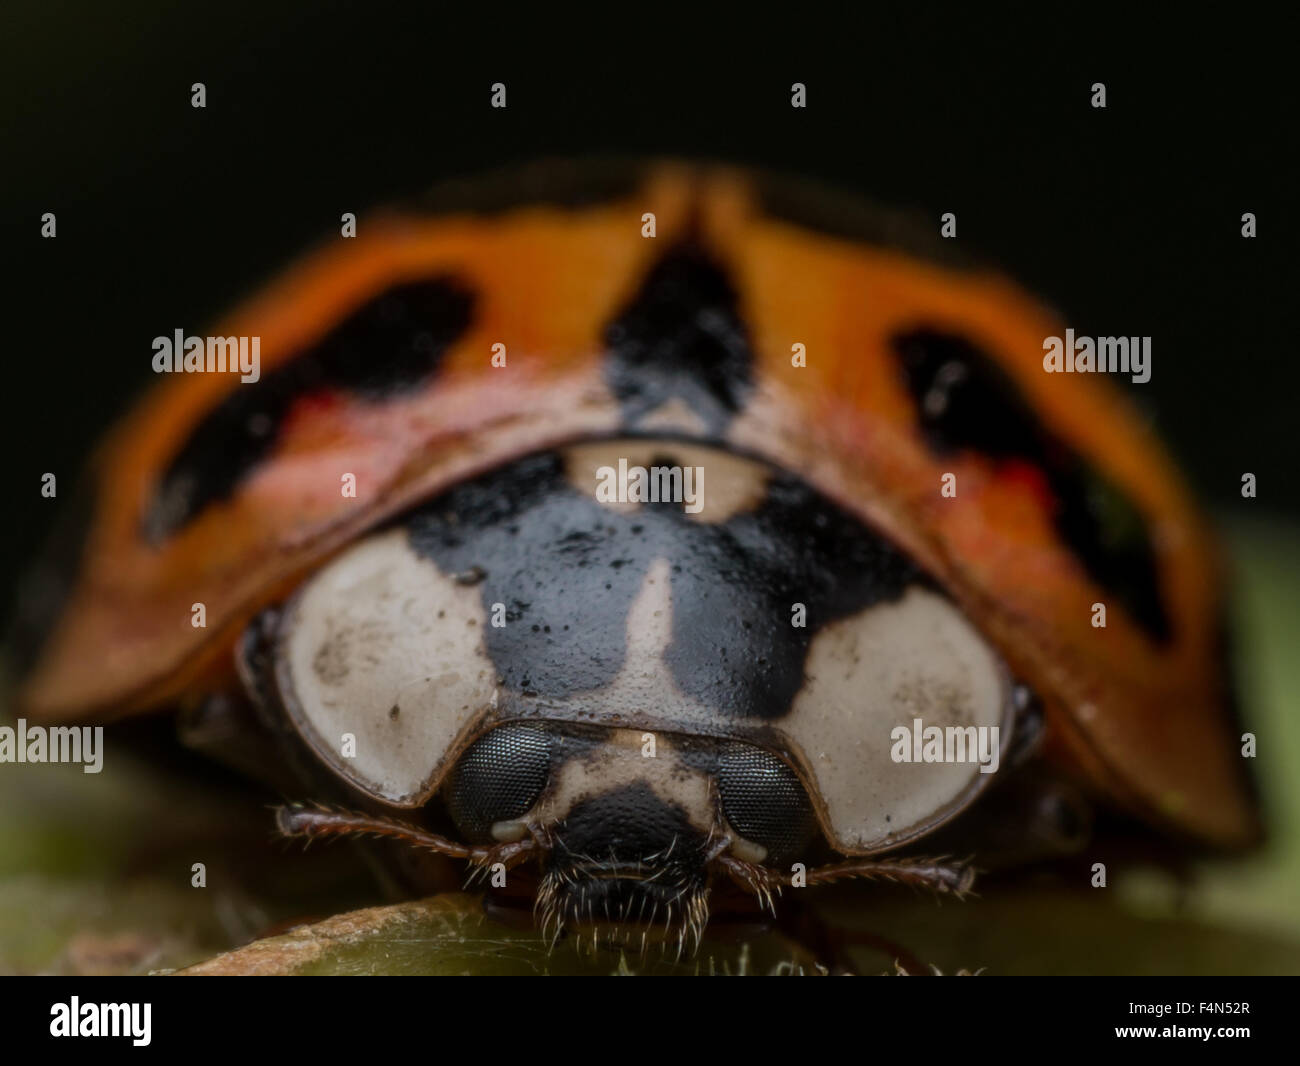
<point x="628" y="822"/>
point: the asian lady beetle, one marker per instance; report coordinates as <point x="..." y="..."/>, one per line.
<point x="649" y="583"/>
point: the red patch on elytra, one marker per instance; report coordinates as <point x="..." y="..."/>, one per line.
<point x="312" y="415"/>
<point x="1031" y="478"/>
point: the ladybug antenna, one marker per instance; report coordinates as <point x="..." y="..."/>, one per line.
<point x="944" y="877"/>
<point x="315" y="822"/>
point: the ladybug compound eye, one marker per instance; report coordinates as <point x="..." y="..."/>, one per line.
<point x="498" y="779"/>
<point x="380" y="665"/>
<point x="764" y="801"/>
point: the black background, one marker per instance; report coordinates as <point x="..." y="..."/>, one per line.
<point x="1127" y="219"/>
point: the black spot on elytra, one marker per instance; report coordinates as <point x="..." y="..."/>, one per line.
<point x="559" y="559"/>
<point x="681" y="337"/>
<point x="389" y="346"/>
<point x="965" y="401"/>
